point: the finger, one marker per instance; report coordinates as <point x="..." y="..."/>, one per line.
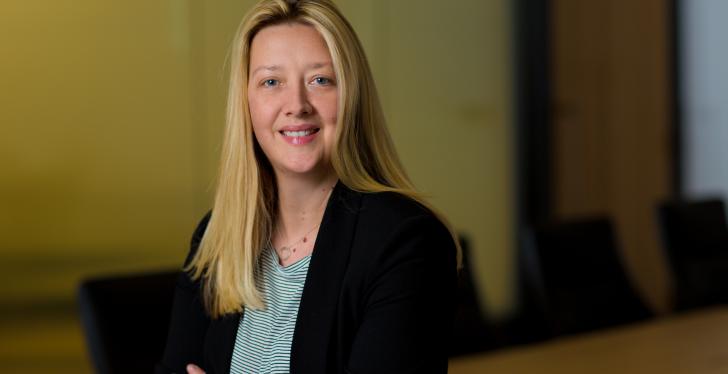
<point x="194" y="369"/>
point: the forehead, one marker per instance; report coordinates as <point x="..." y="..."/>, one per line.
<point x="288" y="44"/>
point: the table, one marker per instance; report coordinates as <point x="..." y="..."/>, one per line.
<point x="694" y="342"/>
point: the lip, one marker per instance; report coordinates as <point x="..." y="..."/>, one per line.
<point x="299" y="139"/>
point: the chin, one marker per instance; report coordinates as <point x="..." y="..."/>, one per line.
<point x="301" y="169"/>
<point x="319" y="167"/>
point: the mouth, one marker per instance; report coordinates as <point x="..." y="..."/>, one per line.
<point x="299" y="133"/>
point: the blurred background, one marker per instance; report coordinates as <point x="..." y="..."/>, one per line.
<point x="507" y="114"/>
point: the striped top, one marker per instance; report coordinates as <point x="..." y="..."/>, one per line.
<point x="263" y="342"/>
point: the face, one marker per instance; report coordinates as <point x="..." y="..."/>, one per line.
<point x="292" y="95"/>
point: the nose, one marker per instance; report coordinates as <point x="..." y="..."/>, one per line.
<point x="297" y="103"/>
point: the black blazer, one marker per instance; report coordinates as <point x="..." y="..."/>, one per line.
<point x="379" y="296"/>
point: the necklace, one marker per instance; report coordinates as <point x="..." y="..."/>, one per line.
<point x="286" y="251"/>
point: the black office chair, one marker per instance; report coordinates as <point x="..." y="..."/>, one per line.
<point x="578" y="277"/>
<point x="695" y="239"/>
<point x="472" y="331"/>
<point x="125" y="320"/>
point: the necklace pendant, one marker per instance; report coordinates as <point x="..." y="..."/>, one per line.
<point x="284" y="253"/>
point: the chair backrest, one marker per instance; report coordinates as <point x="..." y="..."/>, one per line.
<point x="695" y="238"/>
<point x="577" y="269"/>
<point x="125" y="320"/>
<point x="472" y="331"/>
<point x="693" y="229"/>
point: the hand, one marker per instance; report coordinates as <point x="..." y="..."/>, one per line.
<point x="194" y="369"/>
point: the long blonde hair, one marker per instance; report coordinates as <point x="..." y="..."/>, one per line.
<point x="243" y="212"/>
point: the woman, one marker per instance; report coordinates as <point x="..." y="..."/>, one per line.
<point x="318" y="255"/>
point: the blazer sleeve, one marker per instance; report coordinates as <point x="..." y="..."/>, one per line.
<point x="189" y="321"/>
<point x="409" y="303"/>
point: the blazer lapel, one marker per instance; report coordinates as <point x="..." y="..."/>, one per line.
<point x="317" y="310"/>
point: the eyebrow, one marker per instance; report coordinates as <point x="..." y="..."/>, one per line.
<point x="318" y="65"/>
<point x="315" y="65"/>
<point x="265" y="67"/>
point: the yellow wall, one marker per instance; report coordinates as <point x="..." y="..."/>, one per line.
<point x="98" y="144"/>
<point x="444" y="70"/>
<point x="112" y="114"/>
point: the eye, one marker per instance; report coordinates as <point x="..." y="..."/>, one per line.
<point x="270" y="82"/>
<point x="322" y="81"/>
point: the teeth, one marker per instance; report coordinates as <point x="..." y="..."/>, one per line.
<point x="298" y="133"/>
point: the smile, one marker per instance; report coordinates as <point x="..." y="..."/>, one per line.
<point x="300" y="133"/>
<point x="300" y="136"/>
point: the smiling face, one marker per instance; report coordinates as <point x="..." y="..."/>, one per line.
<point x="293" y="99"/>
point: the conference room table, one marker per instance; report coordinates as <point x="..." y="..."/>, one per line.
<point x="693" y="342"/>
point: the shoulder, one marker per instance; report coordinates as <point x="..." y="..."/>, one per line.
<point x="376" y="213"/>
<point x="399" y="244"/>
<point x="197" y="236"/>
<point x="392" y="225"/>
<point x="388" y="209"/>
<point x="201" y="227"/>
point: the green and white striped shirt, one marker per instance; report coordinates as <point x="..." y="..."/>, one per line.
<point x="263" y="342"/>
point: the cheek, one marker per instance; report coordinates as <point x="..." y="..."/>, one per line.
<point x="333" y="112"/>
<point x="259" y="115"/>
<point x="328" y="108"/>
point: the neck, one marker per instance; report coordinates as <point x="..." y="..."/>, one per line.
<point x="301" y="202"/>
